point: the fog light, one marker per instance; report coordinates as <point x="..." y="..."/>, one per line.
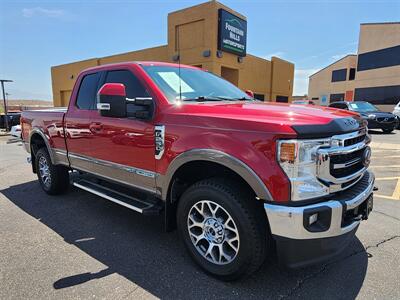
<point x="313" y="218"/>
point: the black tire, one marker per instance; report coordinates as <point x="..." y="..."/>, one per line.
<point x="387" y="130"/>
<point x="59" y="177"/>
<point x="249" y="219"/>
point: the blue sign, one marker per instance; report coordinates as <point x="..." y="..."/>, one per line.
<point x="232" y="33"/>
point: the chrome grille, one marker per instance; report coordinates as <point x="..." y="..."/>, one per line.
<point x="341" y="165"/>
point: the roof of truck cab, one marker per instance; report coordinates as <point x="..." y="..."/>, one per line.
<point x="141" y="63"/>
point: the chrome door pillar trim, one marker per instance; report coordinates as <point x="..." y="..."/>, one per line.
<point x="222" y="158"/>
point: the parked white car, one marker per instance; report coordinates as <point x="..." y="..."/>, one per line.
<point x="396" y="112"/>
<point x="16" y="131"/>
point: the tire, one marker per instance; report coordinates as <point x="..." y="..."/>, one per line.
<point x="244" y="254"/>
<point x="387" y="130"/>
<point x="53" y="179"/>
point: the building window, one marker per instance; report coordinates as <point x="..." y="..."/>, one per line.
<point x="336" y="97"/>
<point x="352" y="74"/>
<point x="283" y="99"/>
<point x="379" y="59"/>
<point x="314" y="98"/>
<point x="378" y="95"/>
<point x="259" y="97"/>
<point x="339" y="75"/>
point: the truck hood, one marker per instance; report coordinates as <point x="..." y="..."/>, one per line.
<point x="273" y="117"/>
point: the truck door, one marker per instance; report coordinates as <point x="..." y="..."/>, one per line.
<point x="124" y="147"/>
<point x="79" y="137"/>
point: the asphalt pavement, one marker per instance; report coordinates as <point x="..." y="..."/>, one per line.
<point x="79" y="246"/>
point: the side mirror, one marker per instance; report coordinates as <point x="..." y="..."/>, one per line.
<point x="250" y="93"/>
<point x="111" y="100"/>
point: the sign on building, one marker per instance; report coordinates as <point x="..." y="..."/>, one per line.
<point x="232" y="33"/>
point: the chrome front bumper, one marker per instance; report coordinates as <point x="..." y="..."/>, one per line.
<point x="289" y="222"/>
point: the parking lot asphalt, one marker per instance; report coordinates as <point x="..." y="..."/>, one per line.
<point x="81" y="246"/>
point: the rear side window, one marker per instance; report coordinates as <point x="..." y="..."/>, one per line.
<point x="133" y="86"/>
<point x="87" y="91"/>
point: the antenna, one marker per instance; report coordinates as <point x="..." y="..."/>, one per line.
<point x="179" y="64"/>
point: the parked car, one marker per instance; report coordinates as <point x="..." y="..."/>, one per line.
<point x="238" y="178"/>
<point x="16" y="131"/>
<point x="376" y="119"/>
<point x="396" y="112"/>
<point x="305" y="102"/>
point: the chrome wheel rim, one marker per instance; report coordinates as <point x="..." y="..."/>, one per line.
<point x="44" y="171"/>
<point x="213" y="232"/>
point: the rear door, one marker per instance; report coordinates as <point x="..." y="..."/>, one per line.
<point x="78" y="122"/>
<point x="124" y="147"/>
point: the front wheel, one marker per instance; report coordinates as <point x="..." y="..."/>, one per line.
<point x="52" y="178"/>
<point x="223" y="228"/>
<point x="387" y="130"/>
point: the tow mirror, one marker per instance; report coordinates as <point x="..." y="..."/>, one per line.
<point x="250" y="93"/>
<point x="111" y="100"/>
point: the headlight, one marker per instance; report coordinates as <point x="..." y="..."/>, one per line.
<point x="371" y="116"/>
<point x="298" y="160"/>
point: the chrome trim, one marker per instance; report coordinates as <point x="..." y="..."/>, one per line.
<point x="131" y="176"/>
<point x="159" y="141"/>
<point x="287" y="221"/>
<point x="324" y="155"/>
<point x="100" y="194"/>
<point x="103" y="106"/>
<point x="60" y="156"/>
<point x="219" y="157"/>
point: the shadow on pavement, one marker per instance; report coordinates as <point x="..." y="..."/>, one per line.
<point x="137" y="248"/>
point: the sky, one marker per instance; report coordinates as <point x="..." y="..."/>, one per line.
<point x="35" y="35"/>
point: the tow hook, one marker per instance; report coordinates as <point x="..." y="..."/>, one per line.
<point x="375" y="188"/>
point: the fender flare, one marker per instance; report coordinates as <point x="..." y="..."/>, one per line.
<point x="216" y="156"/>
<point x="46" y="140"/>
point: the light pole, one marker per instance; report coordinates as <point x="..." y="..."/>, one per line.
<point x="5" y="104"/>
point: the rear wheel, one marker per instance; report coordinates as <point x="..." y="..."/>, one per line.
<point x="52" y="178"/>
<point x="222" y="228"/>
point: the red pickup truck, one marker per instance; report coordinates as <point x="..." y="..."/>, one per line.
<point x="237" y="177"/>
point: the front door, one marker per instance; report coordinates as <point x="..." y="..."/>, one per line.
<point x="123" y="148"/>
<point x="78" y="119"/>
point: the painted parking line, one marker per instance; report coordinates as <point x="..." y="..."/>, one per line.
<point x="392" y="166"/>
<point x="396" y="192"/>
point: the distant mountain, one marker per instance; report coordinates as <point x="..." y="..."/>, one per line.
<point x="23" y="102"/>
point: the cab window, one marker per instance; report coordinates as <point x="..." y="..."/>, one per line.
<point x="86" y="98"/>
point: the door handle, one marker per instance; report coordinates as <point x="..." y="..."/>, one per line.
<point x="95" y="127"/>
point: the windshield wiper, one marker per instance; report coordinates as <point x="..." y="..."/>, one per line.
<point x="203" y="99"/>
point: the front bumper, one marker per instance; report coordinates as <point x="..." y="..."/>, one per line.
<point x="299" y="243"/>
<point x="374" y="124"/>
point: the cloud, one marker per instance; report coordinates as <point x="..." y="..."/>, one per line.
<point x="301" y="81"/>
<point x="279" y="54"/>
<point x="40" y="11"/>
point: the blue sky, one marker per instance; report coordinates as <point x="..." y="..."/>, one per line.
<point x="35" y="35"/>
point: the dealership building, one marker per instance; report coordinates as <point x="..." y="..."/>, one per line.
<point x="210" y="36"/>
<point x="373" y="74"/>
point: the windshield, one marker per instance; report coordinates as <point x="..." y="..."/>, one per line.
<point x="193" y="84"/>
<point x="362" y="107"/>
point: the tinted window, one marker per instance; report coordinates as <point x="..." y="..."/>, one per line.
<point x="379" y="59"/>
<point x="284" y="99"/>
<point x="378" y="95"/>
<point x="259" y="97"/>
<point x="362" y="107"/>
<point x="336" y="97"/>
<point x="339" y="75"/>
<point x="339" y="105"/>
<point x="133" y="86"/>
<point x="352" y="74"/>
<point x="87" y="91"/>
